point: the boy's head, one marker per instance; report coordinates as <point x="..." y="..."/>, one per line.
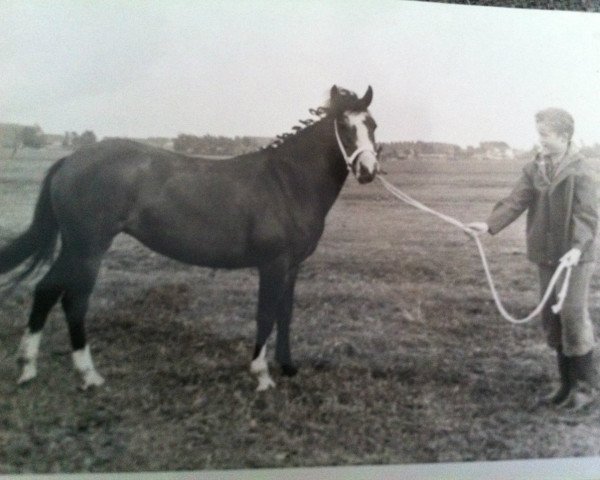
<point x="555" y="128"/>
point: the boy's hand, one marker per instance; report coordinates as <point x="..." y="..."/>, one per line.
<point x="571" y="258"/>
<point x="478" y="227"/>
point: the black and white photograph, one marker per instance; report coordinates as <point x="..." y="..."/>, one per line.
<point x="339" y="239"/>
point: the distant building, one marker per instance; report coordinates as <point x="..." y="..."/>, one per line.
<point x="495" y="151"/>
<point x="435" y="156"/>
<point x="419" y="150"/>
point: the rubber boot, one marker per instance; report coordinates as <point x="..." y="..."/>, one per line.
<point x="584" y="380"/>
<point x="561" y="392"/>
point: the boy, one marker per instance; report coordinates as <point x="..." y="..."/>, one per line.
<point x="558" y="191"/>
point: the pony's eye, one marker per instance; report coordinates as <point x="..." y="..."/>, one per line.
<point x="370" y="123"/>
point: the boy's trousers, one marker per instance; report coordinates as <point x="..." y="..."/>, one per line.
<point x="572" y="327"/>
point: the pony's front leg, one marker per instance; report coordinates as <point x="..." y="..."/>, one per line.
<point x="270" y="292"/>
<point x="82" y="360"/>
<point x="284" y="318"/>
<point x="260" y="368"/>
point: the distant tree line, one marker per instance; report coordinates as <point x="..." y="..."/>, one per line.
<point x="217" y="145"/>
<point x="29" y="136"/>
<point x="74" y="140"/>
<point x="414" y="150"/>
<point x="32" y="136"/>
<point x="592" y="151"/>
<point x="437" y="150"/>
<point x="16" y="136"/>
<point x="485" y="150"/>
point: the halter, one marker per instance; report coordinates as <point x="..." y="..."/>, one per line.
<point x="350" y="159"/>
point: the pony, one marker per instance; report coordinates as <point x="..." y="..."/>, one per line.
<point x="263" y="210"/>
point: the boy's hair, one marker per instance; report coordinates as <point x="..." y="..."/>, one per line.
<point x="560" y="121"/>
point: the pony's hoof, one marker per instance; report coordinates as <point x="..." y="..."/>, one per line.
<point x="91" y="380"/>
<point x="577" y="401"/>
<point x="265" y="384"/>
<point x="289" y="370"/>
<point x="555" y="398"/>
<point x="29" y="373"/>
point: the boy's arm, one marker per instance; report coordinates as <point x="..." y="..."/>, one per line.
<point x="585" y="213"/>
<point x="510" y="208"/>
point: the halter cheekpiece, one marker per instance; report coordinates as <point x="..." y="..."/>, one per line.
<point x="350" y="159"/>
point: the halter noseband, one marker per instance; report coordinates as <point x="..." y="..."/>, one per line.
<point x="350" y="159"/>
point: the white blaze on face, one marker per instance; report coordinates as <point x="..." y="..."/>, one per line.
<point x="260" y="369"/>
<point x="356" y="121"/>
<point x="28" y="353"/>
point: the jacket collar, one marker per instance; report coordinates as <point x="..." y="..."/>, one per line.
<point x="571" y="156"/>
<point x="562" y="169"/>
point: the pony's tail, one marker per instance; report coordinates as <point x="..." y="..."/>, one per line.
<point x="38" y="242"/>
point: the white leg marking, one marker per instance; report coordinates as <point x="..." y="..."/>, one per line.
<point x="260" y="369"/>
<point x="82" y="359"/>
<point x="28" y="353"/>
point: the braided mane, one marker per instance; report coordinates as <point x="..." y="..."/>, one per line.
<point x="344" y="101"/>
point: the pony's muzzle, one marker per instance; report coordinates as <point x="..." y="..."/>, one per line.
<point x="366" y="167"/>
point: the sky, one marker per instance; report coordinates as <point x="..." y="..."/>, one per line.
<point x="445" y="73"/>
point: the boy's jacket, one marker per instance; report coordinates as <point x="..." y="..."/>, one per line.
<point x="562" y="213"/>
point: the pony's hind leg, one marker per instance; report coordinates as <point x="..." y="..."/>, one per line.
<point x="72" y="276"/>
<point x="81" y="281"/>
<point x="47" y="293"/>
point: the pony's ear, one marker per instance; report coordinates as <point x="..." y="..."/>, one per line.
<point x="367" y="99"/>
<point x="334" y="92"/>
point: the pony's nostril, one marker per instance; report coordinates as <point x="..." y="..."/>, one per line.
<point x="365" y="175"/>
<point x="361" y="172"/>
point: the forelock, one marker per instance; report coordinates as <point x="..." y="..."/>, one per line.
<point x="344" y="101"/>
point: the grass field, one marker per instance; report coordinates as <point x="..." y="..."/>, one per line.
<point x="403" y="356"/>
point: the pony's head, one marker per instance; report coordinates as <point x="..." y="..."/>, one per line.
<point x="355" y="131"/>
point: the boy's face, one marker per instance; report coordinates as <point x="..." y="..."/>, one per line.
<point x="551" y="142"/>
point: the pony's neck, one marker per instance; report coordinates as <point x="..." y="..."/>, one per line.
<point x="317" y="153"/>
<point x="314" y="164"/>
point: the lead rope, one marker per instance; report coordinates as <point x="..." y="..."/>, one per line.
<point x="562" y="267"/>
